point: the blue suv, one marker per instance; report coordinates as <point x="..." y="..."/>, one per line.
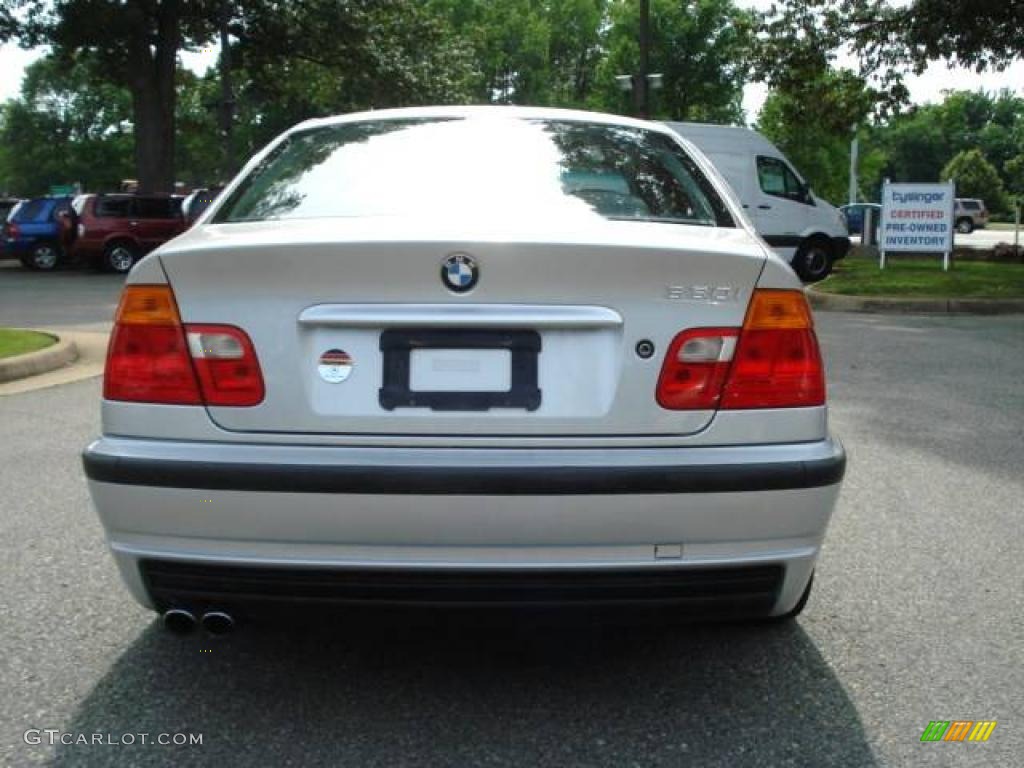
<point x="38" y="232"/>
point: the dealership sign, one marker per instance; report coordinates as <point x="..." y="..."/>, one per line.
<point x="917" y="218"/>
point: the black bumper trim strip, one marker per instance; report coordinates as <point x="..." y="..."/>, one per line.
<point x="464" y="480"/>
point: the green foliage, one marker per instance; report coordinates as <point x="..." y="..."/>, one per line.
<point x="924" y="277"/>
<point x="68" y="125"/>
<point x="800" y="38"/>
<point x="539" y="52"/>
<point x="700" y="47"/>
<point x="811" y="121"/>
<point x="17" y="342"/>
<point x="326" y="57"/>
<point x="976" y="177"/>
<point x="918" y="144"/>
<point x="1013" y="172"/>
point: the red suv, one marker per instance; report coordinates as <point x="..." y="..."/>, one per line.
<point x="115" y="231"/>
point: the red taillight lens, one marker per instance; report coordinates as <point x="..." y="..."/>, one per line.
<point x="777" y="362"/>
<point x="773" y="362"/>
<point x="775" y="369"/>
<point x="149" y="358"/>
<point x="229" y="373"/>
<point x="11" y="230"/>
<point x="695" y="368"/>
<point x="149" y="363"/>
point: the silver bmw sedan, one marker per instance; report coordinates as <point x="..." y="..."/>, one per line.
<point x="460" y="356"/>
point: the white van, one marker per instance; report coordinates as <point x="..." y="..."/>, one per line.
<point x="805" y="230"/>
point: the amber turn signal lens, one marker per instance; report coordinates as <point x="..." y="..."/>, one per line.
<point x="777" y="309"/>
<point x="147" y="305"/>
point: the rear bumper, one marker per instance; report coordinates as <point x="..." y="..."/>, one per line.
<point x="208" y="523"/>
<point x="775" y="470"/>
<point x="21" y="246"/>
<point x="723" y="591"/>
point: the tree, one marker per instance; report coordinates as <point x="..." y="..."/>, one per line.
<point x="1014" y="170"/>
<point x="812" y="121"/>
<point x="575" y="49"/>
<point x="358" y="54"/>
<point x="921" y="141"/>
<point x="976" y="177"/>
<point x="302" y="59"/>
<point x="68" y="125"/>
<point x="135" y="44"/>
<point x="800" y="35"/>
<point x="539" y="52"/>
<point x="700" y="47"/>
<point x="982" y="36"/>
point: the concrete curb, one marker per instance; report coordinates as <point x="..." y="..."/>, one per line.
<point x="834" y="302"/>
<point x="42" y="361"/>
<point x="92" y="353"/>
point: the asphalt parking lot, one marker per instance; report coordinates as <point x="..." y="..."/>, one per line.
<point x="916" y="614"/>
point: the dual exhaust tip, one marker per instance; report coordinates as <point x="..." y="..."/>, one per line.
<point x="182" y="622"/>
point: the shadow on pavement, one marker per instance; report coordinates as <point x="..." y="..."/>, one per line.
<point x="448" y="691"/>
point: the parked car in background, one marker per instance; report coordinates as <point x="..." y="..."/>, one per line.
<point x="7" y="204"/>
<point x="805" y="230"/>
<point x="39" y="232"/>
<point x="970" y="214"/>
<point x="116" y="230"/>
<point x="854" y="215"/>
<point x="197" y="202"/>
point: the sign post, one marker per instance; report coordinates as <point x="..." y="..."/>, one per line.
<point x="917" y="218"/>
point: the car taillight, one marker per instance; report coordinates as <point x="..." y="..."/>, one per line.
<point x="11" y="230"/>
<point x="772" y="362"/>
<point x="229" y="373"/>
<point x="153" y="359"/>
<point x="695" y="368"/>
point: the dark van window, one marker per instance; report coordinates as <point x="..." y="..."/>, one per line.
<point x="114" y="207"/>
<point x="157" y="207"/>
<point x="777" y="179"/>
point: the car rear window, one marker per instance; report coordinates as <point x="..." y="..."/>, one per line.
<point x="478" y="167"/>
<point x="31" y="210"/>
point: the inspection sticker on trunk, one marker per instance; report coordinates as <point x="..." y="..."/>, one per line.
<point x="335" y="366"/>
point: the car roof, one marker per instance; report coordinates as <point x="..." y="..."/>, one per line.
<point x="512" y="112"/>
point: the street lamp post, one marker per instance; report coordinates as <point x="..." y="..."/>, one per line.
<point x="641" y="91"/>
<point x="643" y="82"/>
<point x="854" y="148"/>
<point x="227" y="96"/>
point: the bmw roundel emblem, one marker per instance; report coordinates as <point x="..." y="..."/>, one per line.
<point x="459" y="272"/>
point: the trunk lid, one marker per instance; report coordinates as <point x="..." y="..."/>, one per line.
<point x="353" y="324"/>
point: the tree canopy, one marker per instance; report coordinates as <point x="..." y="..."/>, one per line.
<point x="112" y="99"/>
<point x="976" y="177"/>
